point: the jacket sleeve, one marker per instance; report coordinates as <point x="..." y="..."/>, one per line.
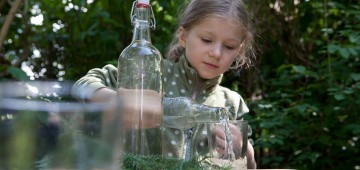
<point x="95" y="79"/>
<point x="235" y="103"/>
<point x="243" y="108"/>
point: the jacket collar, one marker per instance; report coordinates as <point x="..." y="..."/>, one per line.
<point x="190" y="77"/>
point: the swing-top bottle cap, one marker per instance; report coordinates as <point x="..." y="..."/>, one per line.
<point x="143" y="3"/>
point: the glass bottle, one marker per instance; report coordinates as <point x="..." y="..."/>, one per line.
<point x="184" y="113"/>
<point x="139" y="70"/>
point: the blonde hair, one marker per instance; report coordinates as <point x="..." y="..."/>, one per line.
<point x="199" y="10"/>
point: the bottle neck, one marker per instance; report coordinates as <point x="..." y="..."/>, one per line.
<point x="141" y="23"/>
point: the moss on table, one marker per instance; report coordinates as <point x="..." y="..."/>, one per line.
<point x="131" y="162"/>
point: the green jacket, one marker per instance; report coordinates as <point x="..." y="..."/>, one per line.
<point x="179" y="79"/>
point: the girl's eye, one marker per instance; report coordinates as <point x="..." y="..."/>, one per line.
<point x="229" y="47"/>
<point x="206" y="40"/>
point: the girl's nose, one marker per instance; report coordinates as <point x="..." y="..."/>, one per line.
<point x="216" y="51"/>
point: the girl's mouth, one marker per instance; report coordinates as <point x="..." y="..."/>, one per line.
<point x="211" y="66"/>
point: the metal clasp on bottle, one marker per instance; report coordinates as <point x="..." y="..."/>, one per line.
<point x="152" y="16"/>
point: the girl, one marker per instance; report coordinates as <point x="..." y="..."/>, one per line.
<point x="213" y="37"/>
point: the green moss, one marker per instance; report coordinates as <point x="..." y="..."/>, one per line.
<point x="131" y="162"/>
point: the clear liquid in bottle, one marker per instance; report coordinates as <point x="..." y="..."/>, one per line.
<point x="139" y="70"/>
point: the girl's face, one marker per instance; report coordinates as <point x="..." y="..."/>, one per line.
<point x="211" y="46"/>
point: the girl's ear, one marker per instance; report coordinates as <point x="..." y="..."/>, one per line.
<point x="182" y="36"/>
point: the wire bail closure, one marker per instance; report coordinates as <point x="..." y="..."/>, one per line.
<point x="152" y="16"/>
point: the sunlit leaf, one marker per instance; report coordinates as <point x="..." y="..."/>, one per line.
<point x="353" y="51"/>
<point x="17" y="73"/>
<point x="355" y="76"/>
<point x="339" y="96"/>
<point x="332" y="48"/>
<point x="344" y="53"/>
<point x="357" y="85"/>
<point x="355" y="128"/>
<point x="327" y="30"/>
<point x="353" y="38"/>
<point x="348" y="91"/>
<point x="299" y="69"/>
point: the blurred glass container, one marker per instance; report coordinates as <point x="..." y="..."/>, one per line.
<point x="42" y="126"/>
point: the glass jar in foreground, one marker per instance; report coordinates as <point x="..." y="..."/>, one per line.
<point x="43" y="126"/>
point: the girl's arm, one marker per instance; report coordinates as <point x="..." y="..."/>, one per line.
<point x="104" y="94"/>
<point x="99" y="85"/>
<point x="94" y="81"/>
<point x="126" y="102"/>
<point x="251" y="163"/>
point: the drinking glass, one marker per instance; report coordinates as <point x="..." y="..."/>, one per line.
<point x="43" y="126"/>
<point x="227" y="142"/>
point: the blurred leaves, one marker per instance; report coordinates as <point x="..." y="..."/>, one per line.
<point x="305" y="111"/>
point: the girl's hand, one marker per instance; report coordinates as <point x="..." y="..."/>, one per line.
<point x="140" y="114"/>
<point x="221" y="144"/>
<point x="125" y="106"/>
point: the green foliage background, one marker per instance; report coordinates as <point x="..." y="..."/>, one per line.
<point x="303" y="90"/>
